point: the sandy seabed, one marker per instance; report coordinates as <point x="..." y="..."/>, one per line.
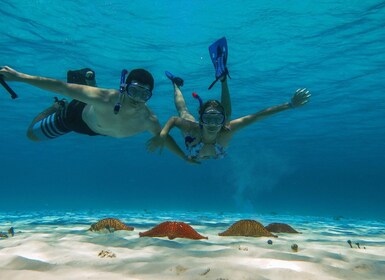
<point x="69" y="251"/>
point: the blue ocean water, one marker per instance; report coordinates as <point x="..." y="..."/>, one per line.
<point x="326" y="158"/>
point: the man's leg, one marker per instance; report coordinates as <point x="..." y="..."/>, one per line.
<point x="49" y="124"/>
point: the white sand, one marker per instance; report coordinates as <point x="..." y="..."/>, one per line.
<point x="71" y="252"/>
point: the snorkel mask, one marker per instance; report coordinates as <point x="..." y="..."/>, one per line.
<point x="212" y="117"/>
<point x="211" y="113"/>
<point x="134" y="87"/>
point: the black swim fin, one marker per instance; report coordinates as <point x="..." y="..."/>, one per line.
<point x="80" y="76"/>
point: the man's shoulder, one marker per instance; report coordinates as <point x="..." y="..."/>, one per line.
<point x="150" y="121"/>
<point x="150" y="115"/>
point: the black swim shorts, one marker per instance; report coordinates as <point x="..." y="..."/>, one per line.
<point x="73" y="118"/>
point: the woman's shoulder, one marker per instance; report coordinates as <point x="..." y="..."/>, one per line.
<point x="187" y="124"/>
<point x="224" y="137"/>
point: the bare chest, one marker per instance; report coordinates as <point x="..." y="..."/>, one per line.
<point x="124" y="124"/>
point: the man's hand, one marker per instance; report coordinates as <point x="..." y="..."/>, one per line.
<point x="300" y="97"/>
<point x="8" y="74"/>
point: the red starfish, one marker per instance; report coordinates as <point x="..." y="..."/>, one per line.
<point x="173" y="230"/>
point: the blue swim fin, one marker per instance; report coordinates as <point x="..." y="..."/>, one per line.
<point x="175" y="80"/>
<point x="218" y="54"/>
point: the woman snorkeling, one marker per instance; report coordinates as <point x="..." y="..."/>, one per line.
<point x="208" y="137"/>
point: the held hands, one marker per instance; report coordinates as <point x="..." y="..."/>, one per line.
<point x="300" y="98"/>
<point x="192" y="160"/>
<point x="156" y="142"/>
<point x="8" y="74"/>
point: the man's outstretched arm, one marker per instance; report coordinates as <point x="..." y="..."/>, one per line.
<point x="86" y="94"/>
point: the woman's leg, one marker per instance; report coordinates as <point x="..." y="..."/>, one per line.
<point x="225" y="99"/>
<point x="180" y="104"/>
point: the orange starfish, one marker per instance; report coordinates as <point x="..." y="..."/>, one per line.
<point x="173" y="230"/>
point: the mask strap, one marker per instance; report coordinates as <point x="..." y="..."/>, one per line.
<point x="122" y="89"/>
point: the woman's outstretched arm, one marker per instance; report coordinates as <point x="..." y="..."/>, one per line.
<point x="300" y="98"/>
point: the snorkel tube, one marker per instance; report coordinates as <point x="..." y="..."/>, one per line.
<point x="6" y="86"/>
<point x="122" y="89"/>
<point x="196" y="96"/>
<point x="214" y="104"/>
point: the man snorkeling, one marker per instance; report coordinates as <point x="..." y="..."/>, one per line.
<point x="208" y="137"/>
<point x="94" y="111"/>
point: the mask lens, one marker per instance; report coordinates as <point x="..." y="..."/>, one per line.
<point x="213" y="118"/>
<point x="138" y="93"/>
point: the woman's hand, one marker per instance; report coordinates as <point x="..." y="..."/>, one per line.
<point x="155" y="143"/>
<point x="300" y="97"/>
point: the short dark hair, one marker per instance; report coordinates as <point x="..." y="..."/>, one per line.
<point x="141" y="76"/>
